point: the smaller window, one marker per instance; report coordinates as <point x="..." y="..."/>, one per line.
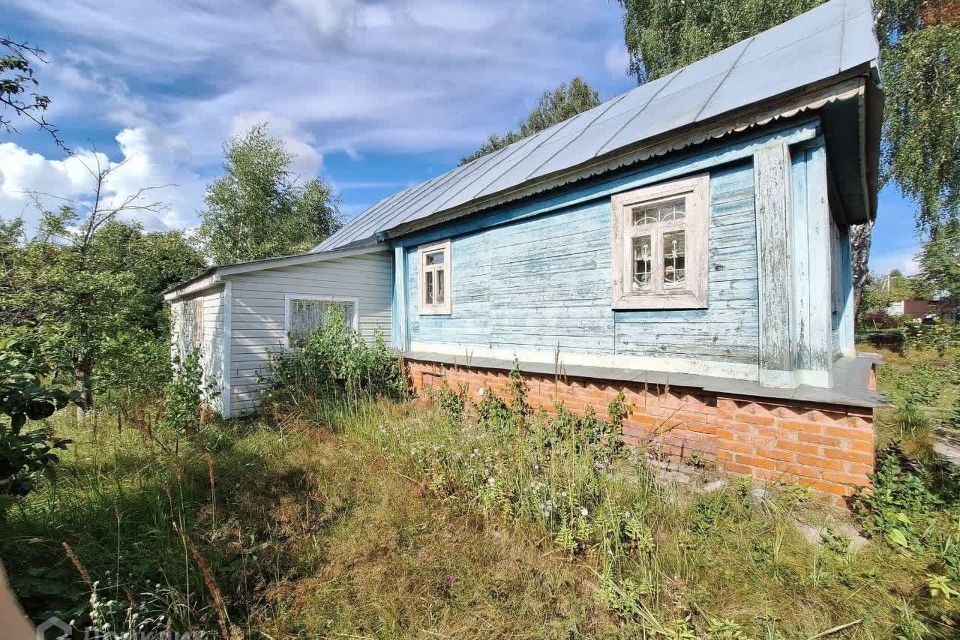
<point x="306" y="314"/>
<point x="660" y="246"/>
<point x="435" y="278"/>
<point x="191" y="324"/>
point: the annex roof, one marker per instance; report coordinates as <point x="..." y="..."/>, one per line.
<point x="833" y="41"/>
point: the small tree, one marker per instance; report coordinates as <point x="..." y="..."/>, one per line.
<point x="259" y="209"/>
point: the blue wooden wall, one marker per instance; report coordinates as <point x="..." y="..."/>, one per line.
<point x="544" y="283"/>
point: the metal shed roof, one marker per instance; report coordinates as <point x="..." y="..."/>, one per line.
<point x="835" y="38"/>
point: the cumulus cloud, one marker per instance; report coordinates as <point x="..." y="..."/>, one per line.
<point x="357" y="77"/>
<point x="617" y="60"/>
<point x="147" y="159"/>
<point x="883" y="262"/>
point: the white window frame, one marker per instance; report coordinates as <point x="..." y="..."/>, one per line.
<point x="695" y="225"/>
<point x="192" y="324"/>
<point x="445" y="307"/>
<point x="289" y="297"/>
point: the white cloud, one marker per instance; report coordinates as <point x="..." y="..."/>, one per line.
<point x="617" y="60"/>
<point x="148" y="159"/>
<point x="884" y="262"/>
<point x="357" y="77"/>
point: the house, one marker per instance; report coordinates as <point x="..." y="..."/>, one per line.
<point x="686" y="243"/>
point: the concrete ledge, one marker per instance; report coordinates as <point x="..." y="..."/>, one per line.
<point x="851" y="379"/>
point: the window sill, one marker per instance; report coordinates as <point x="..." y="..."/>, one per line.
<point x="680" y="300"/>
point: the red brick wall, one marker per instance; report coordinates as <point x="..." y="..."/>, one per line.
<point x="828" y="448"/>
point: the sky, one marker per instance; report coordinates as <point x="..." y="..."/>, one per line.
<point x="371" y="96"/>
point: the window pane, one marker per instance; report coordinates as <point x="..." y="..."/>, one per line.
<point x="666" y="211"/>
<point x="674" y="261"/>
<point x="439" y="277"/>
<point x="435" y="258"/>
<point x="642" y="262"/>
<point x="428" y="287"/>
<point x="348" y="312"/>
<point x="306" y="316"/>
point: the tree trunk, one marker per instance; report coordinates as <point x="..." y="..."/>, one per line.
<point x="861" y="236"/>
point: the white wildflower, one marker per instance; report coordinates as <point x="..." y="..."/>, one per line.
<point x="584" y="512"/>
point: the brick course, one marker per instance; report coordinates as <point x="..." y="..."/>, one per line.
<point x="828" y="448"/>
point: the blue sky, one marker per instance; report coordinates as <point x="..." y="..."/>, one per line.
<point x="373" y="96"/>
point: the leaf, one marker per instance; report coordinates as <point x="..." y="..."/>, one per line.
<point x="897" y="537"/>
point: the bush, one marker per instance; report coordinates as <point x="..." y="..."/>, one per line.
<point x="185" y="396"/>
<point x="336" y="364"/>
<point x="29" y="390"/>
<point x="133" y="368"/>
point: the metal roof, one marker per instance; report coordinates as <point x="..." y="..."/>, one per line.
<point x="828" y="41"/>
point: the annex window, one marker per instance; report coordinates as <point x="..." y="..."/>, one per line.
<point x="191" y="324"/>
<point x="306" y="314"/>
<point x="435" y="272"/>
<point x="660" y="246"/>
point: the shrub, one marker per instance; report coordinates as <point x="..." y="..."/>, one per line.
<point x="133" y="369"/>
<point x="336" y="364"/>
<point x="185" y="396"/>
<point x="29" y="390"/>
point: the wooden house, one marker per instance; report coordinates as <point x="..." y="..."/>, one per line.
<point x="687" y="243"/>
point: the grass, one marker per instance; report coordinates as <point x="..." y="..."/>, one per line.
<point x="381" y="521"/>
<point x="924" y="389"/>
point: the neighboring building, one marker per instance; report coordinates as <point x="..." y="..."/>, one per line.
<point x="686" y="242"/>
<point x="914" y="308"/>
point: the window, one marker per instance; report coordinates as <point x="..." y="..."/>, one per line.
<point x="660" y="246"/>
<point x="191" y="324"/>
<point x="306" y="314"/>
<point x="435" y="271"/>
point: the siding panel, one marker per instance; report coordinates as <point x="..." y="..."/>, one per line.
<point x="257" y="320"/>
<point x="543" y="284"/>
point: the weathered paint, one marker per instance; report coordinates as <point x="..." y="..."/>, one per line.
<point x="540" y="288"/>
<point x="771" y="165"/>
<point x="811" y="264"/>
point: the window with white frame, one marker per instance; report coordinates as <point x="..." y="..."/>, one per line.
<point x="435" y="277"/>
<point x="306" y="314"/>
<point x="191" y="324"/>
<point x="660" y="242"/>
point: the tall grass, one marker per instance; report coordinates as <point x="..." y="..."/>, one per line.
<point x="725" y="564"/>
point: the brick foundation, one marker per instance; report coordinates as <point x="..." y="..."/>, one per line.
<point x="828" y="448"/>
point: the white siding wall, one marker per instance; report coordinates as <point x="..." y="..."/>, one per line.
<point x="212" y="345"/>
<point x="257" y="311"/>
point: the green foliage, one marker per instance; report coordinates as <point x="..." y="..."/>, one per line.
<point x="900" y="506"/>
<point x="185" y="396"/>
<point x="18" y="96"/>
<point x="258" y="209"/>
<point x="157" y="261"/>
<point x="662" y="36"/>
<point x="921" y="76"/>
<point x="336" y="365"/>
<point x="919" y="68"/>
<point x="940" y="258"/>
<point x="133" y="368"/>
<point x="563" y="102"/>
<point x="27" y="392"/>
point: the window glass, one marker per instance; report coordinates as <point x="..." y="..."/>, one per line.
<point x="674" y="264"/>
<point x="306" y="316"/>
<point x="642" y="262"/>
<point x="435" y="258"/>
<point x="666" y="211"/>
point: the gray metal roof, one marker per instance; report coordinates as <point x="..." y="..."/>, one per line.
<point x="835" y="37"/>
